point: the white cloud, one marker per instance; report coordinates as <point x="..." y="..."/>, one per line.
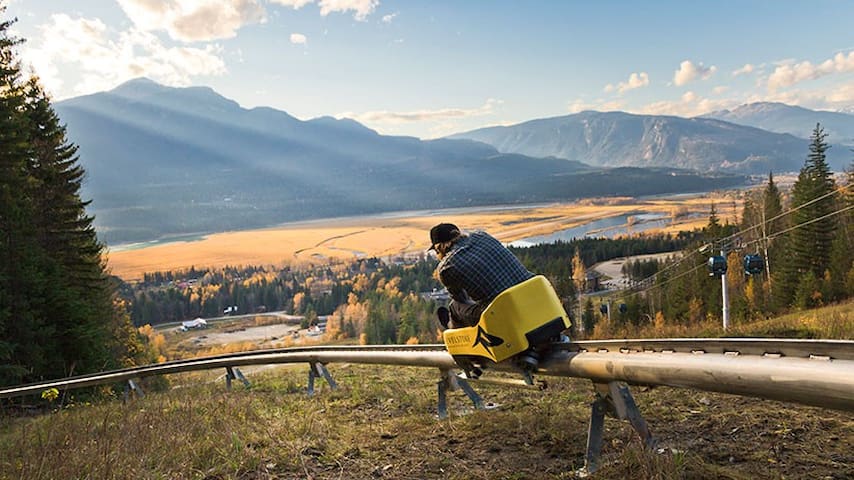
<point x="636" y="80"/>
<point x="836" y="98"/>
<point x="298" y="39"/>
<point x="840" y="96"/>
<point x="388" y="18"/>
<point x="194" y="20"/>
<point x="689" y="104"/>
<point x="360" y="8"/>
<point x="295" y="4"/>
<point x="443" y="114"/>
<point x="688" y="72"/>
<point x="720" y="89"/>
<point x="580" y="105"/>
<point x="789" y="73"/>
<point x="746" y="69"/>
<point x="106" y="58"/>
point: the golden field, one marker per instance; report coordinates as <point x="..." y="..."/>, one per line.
<point x="381" y="236"/>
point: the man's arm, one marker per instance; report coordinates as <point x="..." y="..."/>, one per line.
<point x="449" y="280"/>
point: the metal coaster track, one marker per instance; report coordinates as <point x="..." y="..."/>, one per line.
<point x="810" y="372"/>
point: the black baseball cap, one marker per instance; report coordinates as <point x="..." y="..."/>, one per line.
<point x="443" y="232"/>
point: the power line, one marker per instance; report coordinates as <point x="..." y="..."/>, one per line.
<point x="840" y="189"/>
<point x="775" y="235"/>
<point x="813" y="220"/>
<point x="670" y="279"/>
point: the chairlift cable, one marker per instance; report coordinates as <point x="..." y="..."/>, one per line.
<point x="839" y="189"/>
<point x="775" y="235"/>
<point x="771" y="236"/>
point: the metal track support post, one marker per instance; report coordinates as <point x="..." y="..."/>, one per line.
<point x="132" y="388"/>
<point x="232" y="373"/>
<point x="318" y="370"/>
<point x="615" y="400"/>
<point x="595" y="435"/>
<point x="449" y="381"/>
<point x="442" y="384"/>
<point x="724" y="297"/>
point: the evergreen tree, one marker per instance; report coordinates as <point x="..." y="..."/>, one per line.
<point x="809" y="244"/>
<point x="59" y="314"/>
<point x="772" y="209"/>
<point x="773" y="206"/>
<point x="588" y="316"/>
<point x="19" y="272"/>
<point x="83" y="314"/>
<point x="713" y="229"/>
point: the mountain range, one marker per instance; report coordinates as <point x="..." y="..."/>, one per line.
<point x="165" y="161"/>
<point x="704" y="144"/>
<point x="798" y="121"/>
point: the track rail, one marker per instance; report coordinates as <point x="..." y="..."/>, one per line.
<point x="796" y="348"/>
<point x="811" y="372"/>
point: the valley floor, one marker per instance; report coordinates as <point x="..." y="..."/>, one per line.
<point x="392" y="236"/>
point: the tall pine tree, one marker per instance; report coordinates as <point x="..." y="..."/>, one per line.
<point x="58" y="309"/>
<point x="772" y="207"/>
<point x="18" y="272"/>
<point x="809" y="244"/>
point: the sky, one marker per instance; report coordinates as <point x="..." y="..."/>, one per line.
<point x="430" y="68"/>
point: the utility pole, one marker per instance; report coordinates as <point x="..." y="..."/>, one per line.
<point x="724" y="297"/>
<point x="609" y="312"/>
<point x="765" y="251"/>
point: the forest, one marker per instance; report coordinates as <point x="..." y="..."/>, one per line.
<point x="369" y="299"/>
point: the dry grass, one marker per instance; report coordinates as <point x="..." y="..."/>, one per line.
<point x="834" y="321"/>
<point x="376" y="236"/>
<point x="382" y="424"/>
<point x="830" y="322"/>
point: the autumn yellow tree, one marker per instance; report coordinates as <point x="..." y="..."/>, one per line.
<point x="579" y="273"/>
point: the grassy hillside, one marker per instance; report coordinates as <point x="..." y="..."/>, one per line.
<point x="382" y="423"/>
<point x="830" y="322"/>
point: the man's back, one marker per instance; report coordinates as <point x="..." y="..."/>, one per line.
<point x="482" y="266"/>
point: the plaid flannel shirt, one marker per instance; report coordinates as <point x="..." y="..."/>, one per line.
<point x="480" y="266"/>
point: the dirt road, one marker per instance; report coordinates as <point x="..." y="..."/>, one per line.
<point x="612" y="269"/>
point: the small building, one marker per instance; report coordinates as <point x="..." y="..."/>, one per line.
<point x="592" y="281"/>
<point x="437" y="295"/>
<point x="194" y="324"/>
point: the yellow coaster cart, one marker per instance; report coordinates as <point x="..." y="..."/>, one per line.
<point x="520" y="324"/>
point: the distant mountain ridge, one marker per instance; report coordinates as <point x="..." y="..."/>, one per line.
<point x="609" y="139"/>
<point x="797" y="121"/>
<point x="172" y="161"/>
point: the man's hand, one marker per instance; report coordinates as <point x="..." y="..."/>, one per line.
<point x="465" y="298"/>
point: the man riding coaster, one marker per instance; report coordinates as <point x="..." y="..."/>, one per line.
<point x="477" y="269"/>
